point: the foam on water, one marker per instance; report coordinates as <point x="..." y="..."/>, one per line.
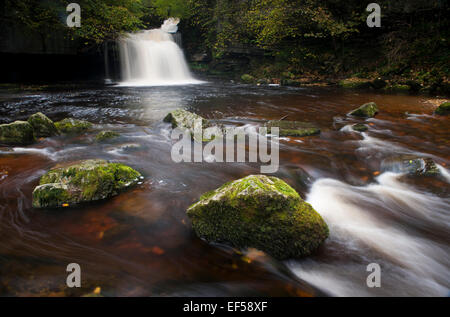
<point x="352" y="214"/>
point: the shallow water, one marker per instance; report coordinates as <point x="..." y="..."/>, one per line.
<point x="140" y="243"/>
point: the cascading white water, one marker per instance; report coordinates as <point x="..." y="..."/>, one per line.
<point x="152" y="58"/>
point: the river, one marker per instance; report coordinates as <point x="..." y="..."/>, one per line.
<point x="140" y="243"/>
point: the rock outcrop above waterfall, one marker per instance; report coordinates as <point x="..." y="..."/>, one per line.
<point x="16" y="133"/>
<point x="412" y="165"/>
<point x="443" y="109"/>
<point x="367" y="110"/>
<point x="84" y="181"/>
<point x="73" y="126"/>
<point x="292" y="128"/>
<point x="42" y="125"/>
<point x="261" y="212"/>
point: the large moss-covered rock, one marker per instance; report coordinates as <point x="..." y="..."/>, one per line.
<point x="443" y="109"/>
<point x="42" y="125"/>
<point x="73" y="126"/>
<point x="367" y="110"/>
<point x="18" y="132"/>
<point x="85" y="181"/>
<point x="261" y="212"/>
<point x="293" y="128"/>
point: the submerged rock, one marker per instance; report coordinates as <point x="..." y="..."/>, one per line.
<point x="360" y="127"/>
<point x="261" y="212"/>
<point x="18" y="132"/>
<point x="106" y="135"/>
<point x="443" y="109"/>
<point x="367" y="110"/>
<point x="42" y="125"/>
<point x="293" y="128"/>
<point x="73" y="126"/>
<point x="412" y="165"/>
<point x="130" y="147"/>
<point x="85" y="181"/>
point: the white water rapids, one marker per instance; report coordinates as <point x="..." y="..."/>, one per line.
<point x="152" y="58"/>
<point x="399" y="226"/>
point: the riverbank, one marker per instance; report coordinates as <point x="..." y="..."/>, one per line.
<point x="422" y="83"/>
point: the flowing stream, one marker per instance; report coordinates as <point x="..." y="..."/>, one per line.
<point x="140" y="243"/>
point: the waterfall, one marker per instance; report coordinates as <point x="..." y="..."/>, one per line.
<point x="153" y="58"/>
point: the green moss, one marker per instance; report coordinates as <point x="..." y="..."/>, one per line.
<point x="73" y="126"/>
<point x="354" y="83"/>
<point x="186" y="120"/>
<point x="261" y="212"/>
<point x="90" y="180"/>
<point x="181" y="118"/>
<point x="55" y="195"/>
<point x="106" y="135"/>
<point x="293" y="128"/>
<point x="443" y="109"/>
<point x="299" y="133"/>
<point x="367" y="110"/>
<point x="42" y="125"/>
<point x="360" y="127"/>
<point x="246" y="78"/>
<point x="18" y="132"/>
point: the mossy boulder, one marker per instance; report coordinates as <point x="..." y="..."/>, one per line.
<point x="73" y="126"/>
<point x="443" y="109"/>
<point x="16" y="133"/>
<point x="292" y="128"/>
<point x="106" y="136"/>
<point x="412" y="165"/>
<point x="261" y="212"/>
<point x="360" y="127"/>
<point x="184" y="119"/>
<point x="42" y="125"/>
<point x="85" y="181"/>
<point x="367" y="110"/>
<point x="248" y="79"/>
<point x="181" y="118"/>
<point x="354" y="83"/>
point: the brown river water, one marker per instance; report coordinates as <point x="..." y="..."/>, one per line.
<point x="140" y="243"/>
